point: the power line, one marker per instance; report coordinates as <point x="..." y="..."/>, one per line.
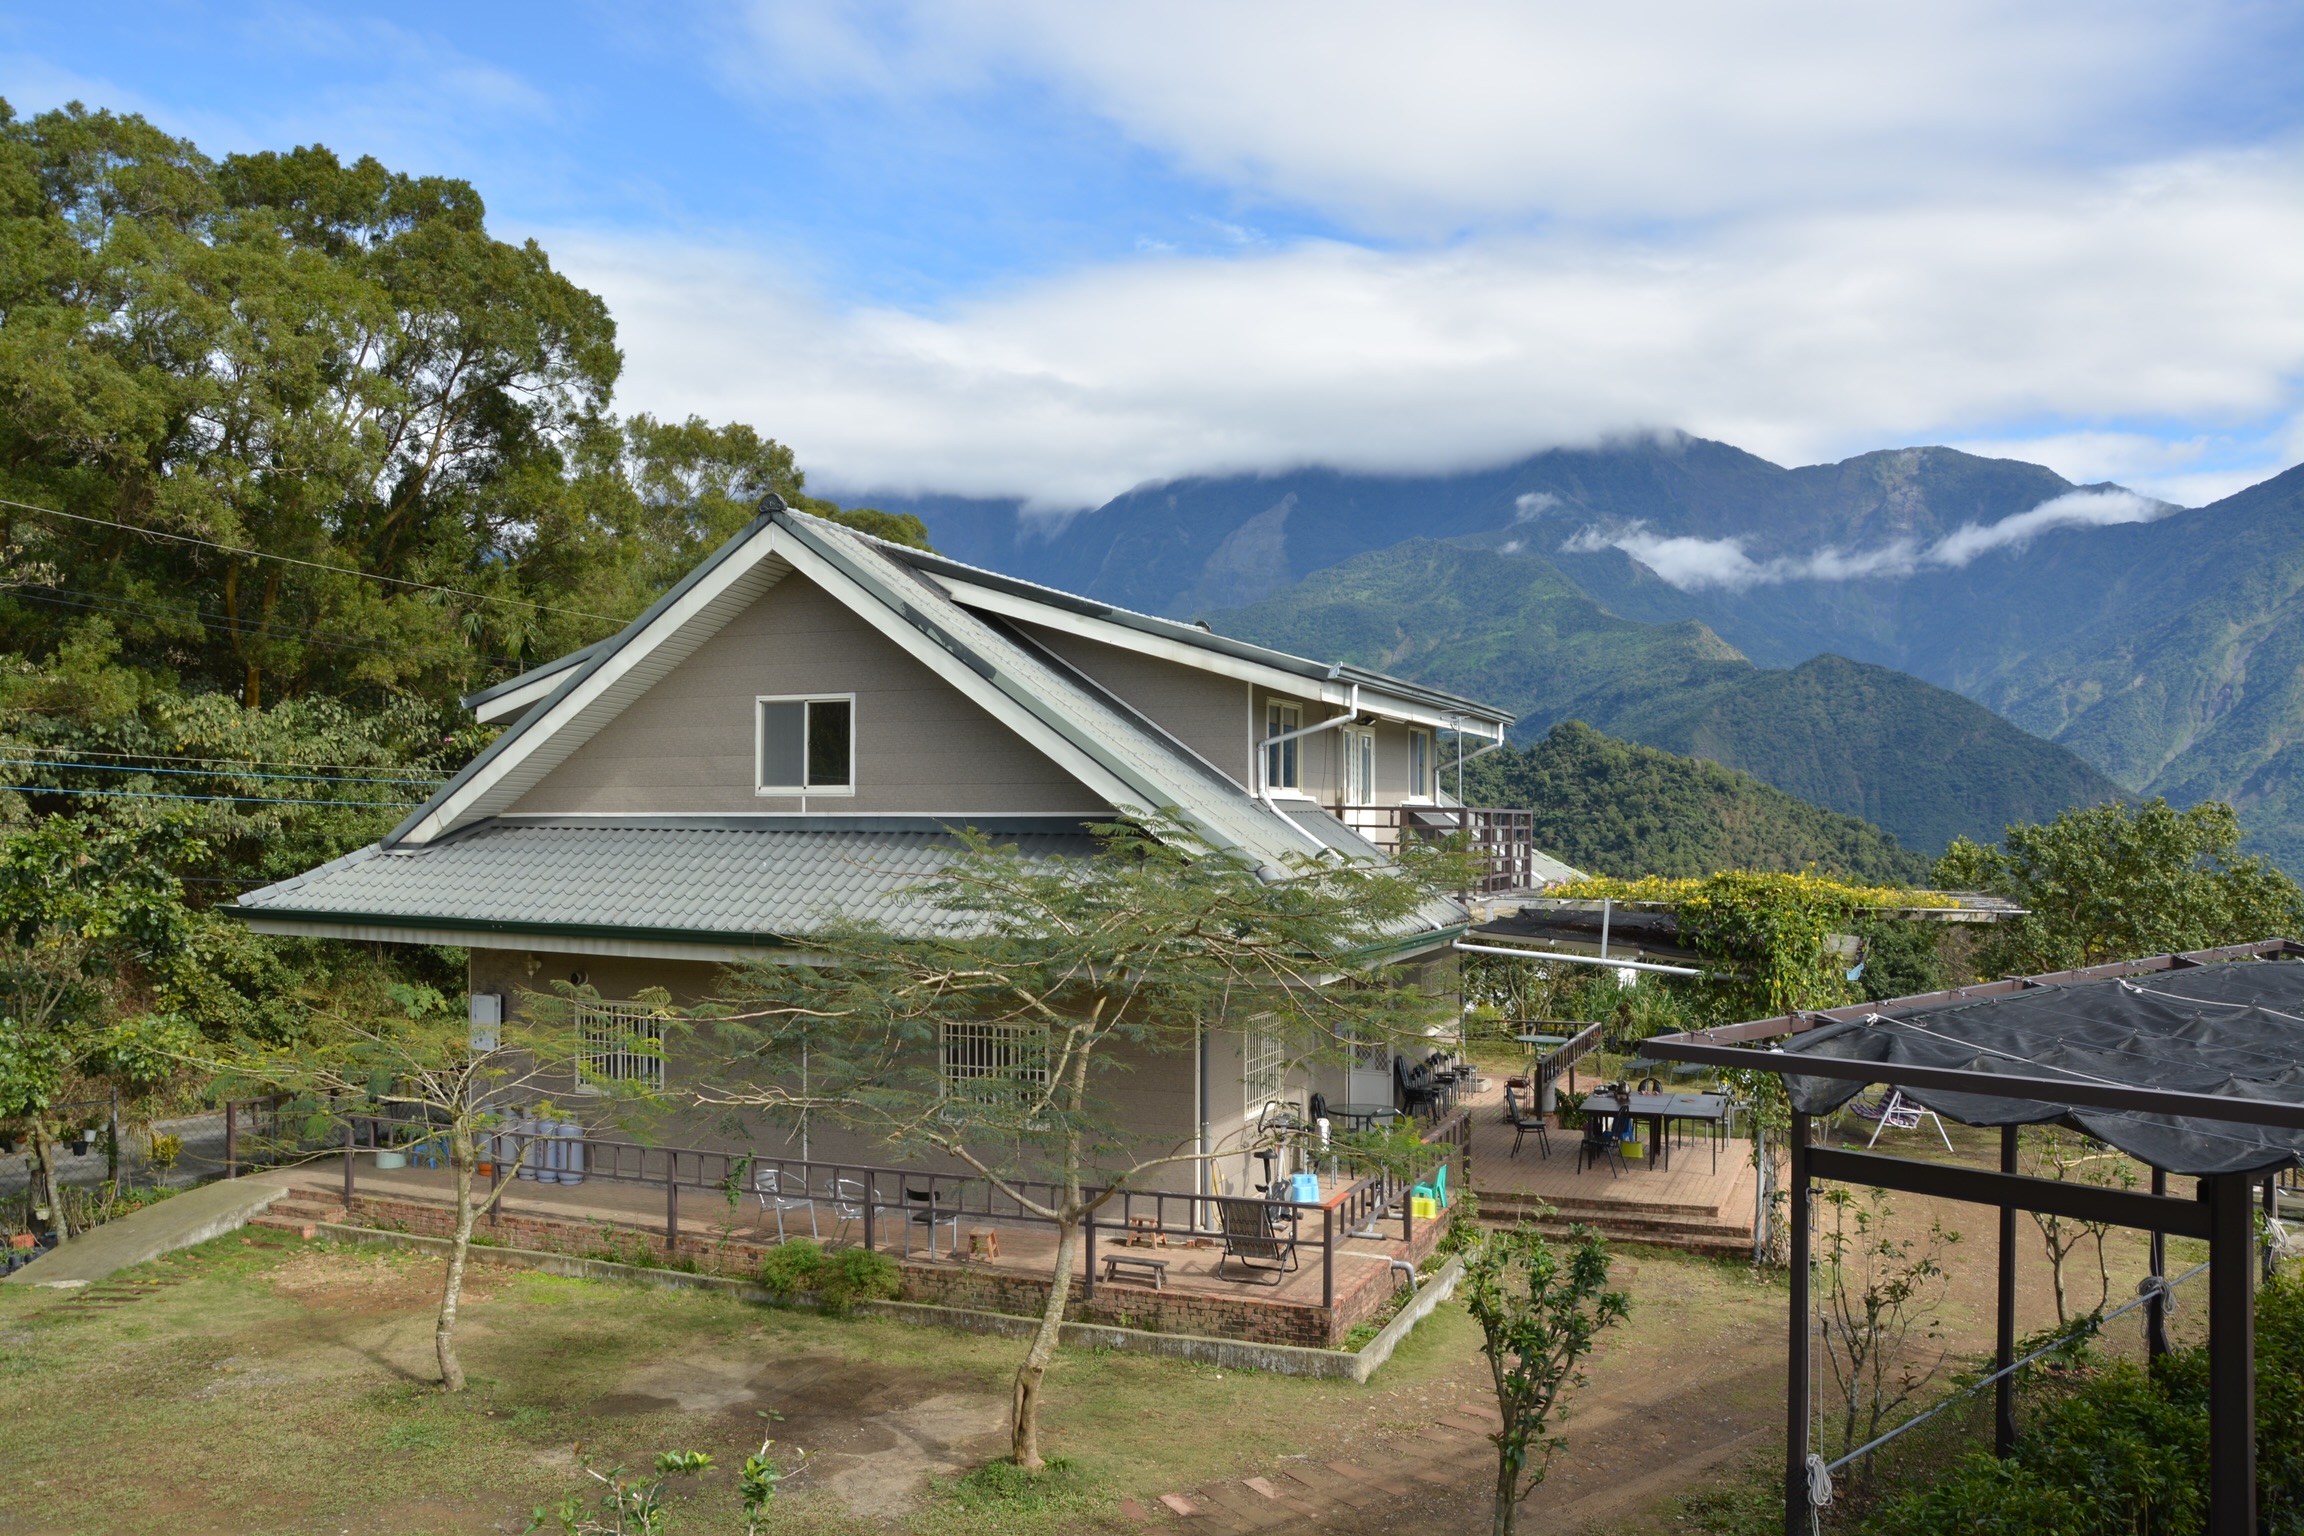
<point x="208" y="773"/>
<point x="316" y="565"/>
<point x="326" y="639"/>
<point x="186" y="757"/>
<point x="136" y="794"/>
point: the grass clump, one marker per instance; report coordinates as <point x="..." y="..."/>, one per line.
<point x="1004" y="1487"/>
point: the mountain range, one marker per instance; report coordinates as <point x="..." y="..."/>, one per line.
<point x="1935" y="641"/>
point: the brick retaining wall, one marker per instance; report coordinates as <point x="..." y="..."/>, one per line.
<point x="1363" y="1286"/>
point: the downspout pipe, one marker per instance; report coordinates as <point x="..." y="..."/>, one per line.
<point x="1264" y="760"/>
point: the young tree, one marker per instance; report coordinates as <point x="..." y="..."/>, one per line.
<point x="1539" y="1314"/>
<point x="420" y="1052"/>
<point x="1879" y="1296"/>
<point x="94" y="939"/>
<point x="1065" y="973"/>
<point x="2055" y="1153"/>
<point x="2115" y="882"/>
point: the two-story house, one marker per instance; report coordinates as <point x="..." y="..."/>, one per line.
<point x="792" y="730"/>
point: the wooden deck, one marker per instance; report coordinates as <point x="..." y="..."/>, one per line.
<point x="1685" y="1204"/>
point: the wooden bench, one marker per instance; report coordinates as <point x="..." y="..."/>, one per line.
<point x="1154" y="1270"/>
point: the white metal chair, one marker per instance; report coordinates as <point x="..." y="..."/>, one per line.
<point x="779" y="1193"/>
<point x="846" y="1198"/>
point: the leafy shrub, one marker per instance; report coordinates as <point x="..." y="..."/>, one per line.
<point x="860" y="1274"/>
<point x="2126" y="1450"/>
<point x="793" y="1267"/>
<point x="839" y="1279"/>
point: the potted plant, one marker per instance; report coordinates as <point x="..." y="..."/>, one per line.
<point x="165" y="1151"/>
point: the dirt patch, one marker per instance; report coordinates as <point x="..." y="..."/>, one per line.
<point x="367" y="1281"/>
<point x="874" y="1433"/>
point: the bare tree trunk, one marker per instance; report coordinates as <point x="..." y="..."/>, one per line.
<point x="444" y="1334"/>
<point x="1024" y="1428"/>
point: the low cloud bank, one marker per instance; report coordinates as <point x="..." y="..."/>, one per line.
<point x="1692" y="564"/>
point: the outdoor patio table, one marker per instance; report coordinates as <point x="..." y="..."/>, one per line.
<point x="1358" y="1117"/>
<point x="1660" y="1109"/>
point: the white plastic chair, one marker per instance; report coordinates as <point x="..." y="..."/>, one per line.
<point x="777" y="1194"/>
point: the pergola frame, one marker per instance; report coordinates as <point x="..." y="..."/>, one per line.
<point x="2222" y="1215"/>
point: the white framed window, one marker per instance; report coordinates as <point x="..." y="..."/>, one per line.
<point x="991" y="1061"/>
<point x="1280" y="757"/>
<point x="1263" y="1069"/>
<point x="620" y="1043"/>
<point x="1420" y="764"/>
<point x="1359" y="766"/>
<point x="804" y="745"/>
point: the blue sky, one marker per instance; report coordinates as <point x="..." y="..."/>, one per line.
<point x="1050" y="250"/>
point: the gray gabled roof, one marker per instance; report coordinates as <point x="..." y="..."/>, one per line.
<point x="751" y="881"/>
<point x="490" y="864"/>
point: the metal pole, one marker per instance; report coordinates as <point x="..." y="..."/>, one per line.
<point x="2004" y="1349"/>
<point x="1607" y="908"/>
<point x="2231" y="1357"/>
<point x="231" y="1140"/>
<point x="1088" y="1287"/>
<point x="671" y="1203"/>
<point x="347" y="1167"/>
<point x="2271" y="1214"/>
<point x="112" y="1158"/>
<point x="1328" y="1257"/>
<point x="2156" y="1309"/>
<point x="1796" y="1358"/>
<point x="870" y="1191"/>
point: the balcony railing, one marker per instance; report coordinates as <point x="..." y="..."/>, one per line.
<point x="1502" y="842"/>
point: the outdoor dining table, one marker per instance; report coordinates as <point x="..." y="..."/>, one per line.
<point x="1358" y="1117"/>
<point x="1660" y="1109"/>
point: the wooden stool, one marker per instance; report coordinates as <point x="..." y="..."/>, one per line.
<point x="1144" y="1232"/>
<point x="983" y="1243"/>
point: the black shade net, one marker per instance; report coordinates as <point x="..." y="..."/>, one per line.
<point x="2235" y="1030"/>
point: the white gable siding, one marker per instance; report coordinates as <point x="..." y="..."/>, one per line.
<point x="685" y="747"/>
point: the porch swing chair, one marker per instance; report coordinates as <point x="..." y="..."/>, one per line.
<point x="1894" y="1113"/>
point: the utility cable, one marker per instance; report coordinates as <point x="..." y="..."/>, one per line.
<point x="135" y="794"/>
<point x="209" y="773"/>
<point x="316" y="565"/>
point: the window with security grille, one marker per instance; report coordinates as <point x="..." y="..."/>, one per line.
<point x="622" y="1043"/>
<point x="1262" y="1067"/>
<point x="988" y="1060"/>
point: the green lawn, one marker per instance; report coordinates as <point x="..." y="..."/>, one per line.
<point x="282" y="1386"/>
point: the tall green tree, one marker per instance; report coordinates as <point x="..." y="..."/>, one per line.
<point x="96" y="957"/>
<point x="1060" y="977"/>
<point x="2117" y="882"/>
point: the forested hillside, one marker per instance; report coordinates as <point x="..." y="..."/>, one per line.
<point x="1504" y="625"/>
<point x="1611" y="807"/>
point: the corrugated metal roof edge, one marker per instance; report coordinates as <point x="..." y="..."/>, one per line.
<point x="532" y="675"/>
<point x="823" y="539"/>
<point x="601" y="651"/>
<point x="1186" y="634"/>
<point x="320" y="917"/>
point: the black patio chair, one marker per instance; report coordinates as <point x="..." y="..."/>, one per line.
<point x="1522" y="1124"/>
<point x="1415" y="1086"/>
<point x="1601" y="1143"/>
<point x="1256" y="1240"/>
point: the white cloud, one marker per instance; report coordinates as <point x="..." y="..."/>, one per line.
<point x="2168" y="293"/>
<point x="2073" y="509"/>
<point x="1425" y="119"/>
<point x="1693" y="564"/>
